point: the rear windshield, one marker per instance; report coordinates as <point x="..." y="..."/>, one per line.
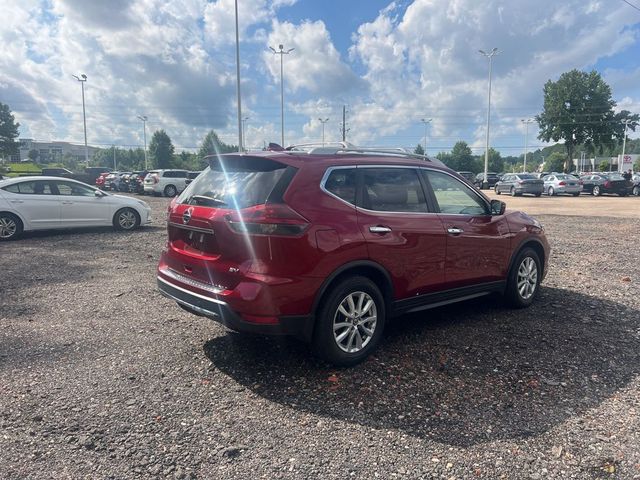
<point x="527" y="177"/>
<point x="234" y="182"/>
<point x="616" y="176"/>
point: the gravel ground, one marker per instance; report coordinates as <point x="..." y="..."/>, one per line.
<point x="100" y="377"/>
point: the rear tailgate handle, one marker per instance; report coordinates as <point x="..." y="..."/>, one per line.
<point x="379" y="229"/>
<point x="455" y="230"/>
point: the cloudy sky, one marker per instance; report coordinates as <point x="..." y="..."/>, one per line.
<point x="391" y="63"/>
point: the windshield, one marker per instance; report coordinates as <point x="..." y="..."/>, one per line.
<point x="239" y="182"/>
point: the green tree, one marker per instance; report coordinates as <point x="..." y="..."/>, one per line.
<point x="554" y="162"/>
<point x="461" y="157"/>
<point x="161" y="149"/>
<point x="604" y="166"/>
<point x="211" y="144"/>
<point x="418" y="150"/>
<point x="496" y="163"/>
<point x="33" y="155"/>
<point x="8" y="132"/>
<point x="578" y="109"/>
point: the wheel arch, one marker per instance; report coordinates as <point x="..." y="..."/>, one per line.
<point x="533" y="243"/>
<point x="16" y="214"/>
<point x="366" y="268"/>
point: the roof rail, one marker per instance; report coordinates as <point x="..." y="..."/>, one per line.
<point x="329" y="148"/>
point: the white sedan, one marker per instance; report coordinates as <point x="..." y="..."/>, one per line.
<point x="41" y="203"/>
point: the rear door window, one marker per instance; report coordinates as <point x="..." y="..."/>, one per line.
<point x="392" y="190"/>
<point x="238" y="182"/>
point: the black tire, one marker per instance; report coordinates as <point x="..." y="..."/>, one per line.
<point x="576" y="194"/>
<point x="636" y="190"/>
<point x="126" y="219"/>
<point x="513" y="294"/>
<point x="623" y="194"/>
<point x="10" y="227"/>
<point x="596" y="191"/>
<point x="551" y="192"/>
<point x="512" y="191"/>
<point x="497" y="190"/>
<point x="539" y="194"/>
<point x="325" y="338"/>
<point x="170" y="191"/>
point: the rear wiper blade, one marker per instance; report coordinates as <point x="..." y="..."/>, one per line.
<point x="205" y="200"/>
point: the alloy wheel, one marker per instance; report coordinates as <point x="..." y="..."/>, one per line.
<point x="8" y="227"/>
<point x="127" y="220"/>
<point x="354" y="322"/>
<point x="527" y="279"/>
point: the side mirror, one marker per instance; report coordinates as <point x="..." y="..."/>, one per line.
<point x="498" y="207"/>
<point x="99" y="193"/>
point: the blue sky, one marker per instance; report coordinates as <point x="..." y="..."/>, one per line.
<point x="391" y="63"/>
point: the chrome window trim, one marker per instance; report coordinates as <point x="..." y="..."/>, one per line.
<point x="325" y="177"/>
<point x="413" y="167"/>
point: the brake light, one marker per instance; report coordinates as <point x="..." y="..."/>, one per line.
<point x="155" y="178"/>
<point x="562" y="184"/>
<point x="607" y="184"/>
<point x="268" y="219"/>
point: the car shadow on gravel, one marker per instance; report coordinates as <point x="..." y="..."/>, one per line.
<point x="462" y="375"/>
<point x="35" y="234"/>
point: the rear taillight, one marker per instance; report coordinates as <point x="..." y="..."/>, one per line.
<point x="155" y="178"/>
<point x="562" y="184"/>
<point x="520" y="182"/>
<point x="270" y="219"/>
<point x="607" y="184"/>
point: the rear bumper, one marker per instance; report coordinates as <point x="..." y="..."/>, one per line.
<point x="534" y="190"/>
<point x="221" y="312"/>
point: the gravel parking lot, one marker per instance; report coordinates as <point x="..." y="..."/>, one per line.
<point x="100" y="377"/>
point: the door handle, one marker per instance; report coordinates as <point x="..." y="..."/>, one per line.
<point x="379" y="229"/>
<point x="17" y="201"/>
<point x="455" y="230"/>
<point x="67" y="203"/>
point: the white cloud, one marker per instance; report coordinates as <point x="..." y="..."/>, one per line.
<point x="315" y="64"/>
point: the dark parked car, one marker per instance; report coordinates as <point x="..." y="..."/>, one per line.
<point x="600" y="183"/>
<point x="481" y="183"/>
<point x="329" y="246"/>
<point x="519" y="183"/>
<point x="470" y="176"/>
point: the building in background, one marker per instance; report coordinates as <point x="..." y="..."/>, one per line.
<point x="50" y="152"/>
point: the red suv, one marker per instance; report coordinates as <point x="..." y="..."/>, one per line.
<point x="330" y="244"/>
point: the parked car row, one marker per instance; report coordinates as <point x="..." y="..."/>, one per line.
<point x="556" y="183"/>
<point x="167" y="182"/>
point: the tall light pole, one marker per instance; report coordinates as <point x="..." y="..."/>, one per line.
<point x="426" y="122"/>
<point x="83" y="78"/>
<point x="282" y="52"/>
<point x="244" y="127"/>
<point x="526" y="122"/>
<point x="624" y="143"/>
<point x="144" y="133"/>
<point x="240" y="136"/>
<point x="490" y="56"/>
<point x="323" y="121"/>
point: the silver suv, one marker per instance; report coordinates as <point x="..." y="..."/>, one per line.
<point x="165" y="182"/>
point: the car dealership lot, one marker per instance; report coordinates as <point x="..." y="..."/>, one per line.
<point x="101" y="377"/>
